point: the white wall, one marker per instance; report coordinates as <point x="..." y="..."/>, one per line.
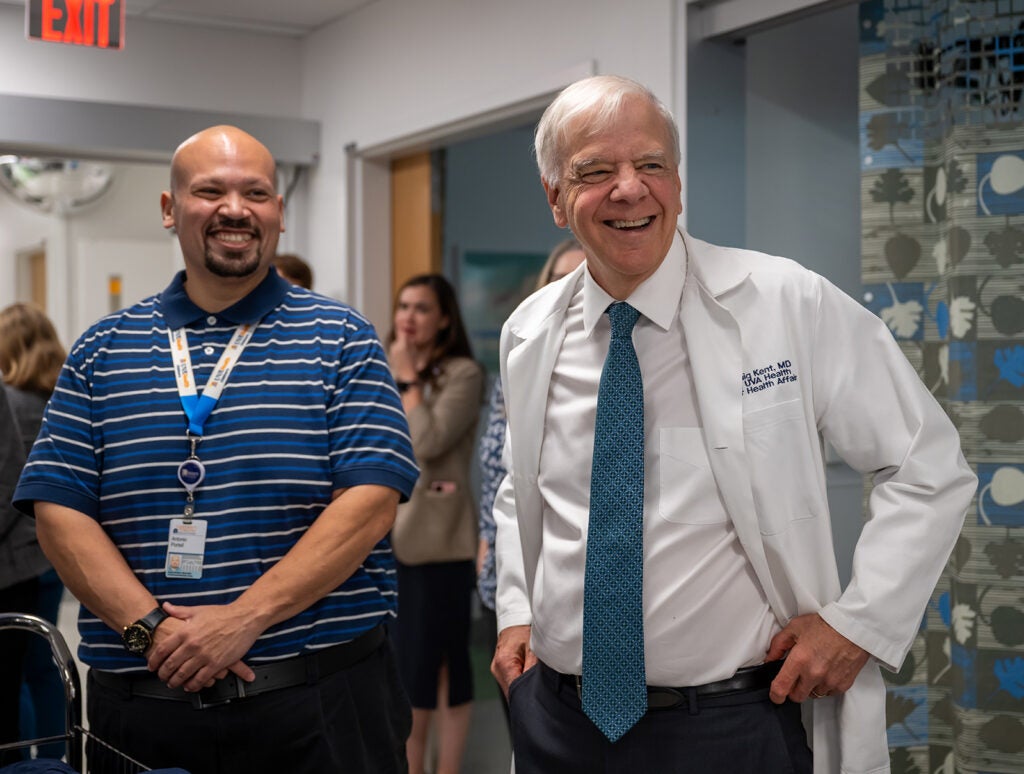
<point x="802" y="144"/>
<point x="21" y="228"/>
<point x="396" y="68"/>
<point x="125" y="222"/>
<point x="129" y="213"/>
<point x="162" y="64"/>
<point x="392" y="69"/>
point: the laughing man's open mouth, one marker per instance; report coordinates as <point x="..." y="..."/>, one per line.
<point x="630" y="225"/>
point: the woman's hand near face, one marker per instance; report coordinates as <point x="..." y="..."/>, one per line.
<point x="402" y="358"/>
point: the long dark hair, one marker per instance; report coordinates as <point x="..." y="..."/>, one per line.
<point x="452" y="340"/>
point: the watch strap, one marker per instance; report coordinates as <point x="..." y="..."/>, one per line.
<point x="153" y="618"/>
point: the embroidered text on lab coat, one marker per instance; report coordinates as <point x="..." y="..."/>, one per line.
<point x="768" y="376"/>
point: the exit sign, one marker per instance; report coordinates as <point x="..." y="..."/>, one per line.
<point x="94" y="23"/>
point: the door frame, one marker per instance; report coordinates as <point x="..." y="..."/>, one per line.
<point x="368" y="185"/>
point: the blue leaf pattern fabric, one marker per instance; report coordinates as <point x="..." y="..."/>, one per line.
<point x="942" y="263"/>
<point x="1010" y="673"/>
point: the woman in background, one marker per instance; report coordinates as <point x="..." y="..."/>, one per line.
<point x="565" y="257"/>
<point x="31" y="357"/>
<point x="434" y="537"/>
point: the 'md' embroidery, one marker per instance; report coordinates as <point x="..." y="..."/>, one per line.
<point x="766" y="377"/>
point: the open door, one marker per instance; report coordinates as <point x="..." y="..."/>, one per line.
<point x="416" y="216"/>
<point x="31" y="275"/>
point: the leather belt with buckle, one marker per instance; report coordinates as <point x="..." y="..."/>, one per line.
<point x="273" y="676"/>
<point x="661" y="697"/>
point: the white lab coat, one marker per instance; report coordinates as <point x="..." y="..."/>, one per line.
<point x="828" y="369"/>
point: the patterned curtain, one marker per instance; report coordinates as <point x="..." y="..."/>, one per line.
<point x="942" y="192"/>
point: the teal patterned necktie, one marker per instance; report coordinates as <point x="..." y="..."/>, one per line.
<point x="614" y="680"/>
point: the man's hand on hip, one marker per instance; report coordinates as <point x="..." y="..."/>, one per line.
<point x="201" y="644"/>
<point x="512" y="656"/>
<point x="820" y="660"/>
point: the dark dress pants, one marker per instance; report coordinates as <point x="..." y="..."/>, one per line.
<point x="743" y="734"/>
<point x="19" y="598"/>
<point x="42" y="690"/>
<point x="355" y="721"/>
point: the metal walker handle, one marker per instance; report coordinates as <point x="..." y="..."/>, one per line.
<point x="65" y="664"/>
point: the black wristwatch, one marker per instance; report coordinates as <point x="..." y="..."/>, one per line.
<point x="138" y="636"/>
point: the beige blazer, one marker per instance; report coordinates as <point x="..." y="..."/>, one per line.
<point x="438" y="523"/>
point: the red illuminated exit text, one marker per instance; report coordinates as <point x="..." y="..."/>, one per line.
<point x="95" y="23"/>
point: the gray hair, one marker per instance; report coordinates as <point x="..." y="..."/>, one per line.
<point x="596" y="101"/>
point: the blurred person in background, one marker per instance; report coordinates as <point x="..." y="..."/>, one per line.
<point x="434" y="536"/>
<point x="18" y="586"/>
<point x="31" y="356"/>
<point x="294" y="269"/>
<point x="564" y="257"/>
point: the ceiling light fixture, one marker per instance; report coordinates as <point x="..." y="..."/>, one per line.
<point x="54" y="185"/>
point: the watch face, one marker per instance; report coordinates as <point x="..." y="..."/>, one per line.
<point x="137" y="639"/>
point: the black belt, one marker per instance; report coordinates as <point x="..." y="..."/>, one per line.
<point x="746" y="680"/>
<point x="273" y="676"/>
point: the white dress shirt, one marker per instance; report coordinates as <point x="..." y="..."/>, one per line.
<point x="705" y="614"/>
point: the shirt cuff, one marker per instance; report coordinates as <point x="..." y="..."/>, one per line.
<point x="27" y="495"/>
<point x="514" y="617"/>
<point x="377" y="476"/>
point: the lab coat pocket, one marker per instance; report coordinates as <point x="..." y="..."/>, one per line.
<point x="687" y="493"/>
<point x="783" y="470"/>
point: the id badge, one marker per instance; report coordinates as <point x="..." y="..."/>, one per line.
<point x="186" y="544"/>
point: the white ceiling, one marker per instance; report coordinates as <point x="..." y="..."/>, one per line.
<point x="293" y="18"/>
<point x="296" y="18"/>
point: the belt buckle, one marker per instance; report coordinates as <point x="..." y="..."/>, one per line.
<point x="239" y="693"/>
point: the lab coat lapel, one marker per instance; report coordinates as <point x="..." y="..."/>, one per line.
<point x="529" y="368"/>
<point x="715" y="347"/>
<point x="529" y="365"/>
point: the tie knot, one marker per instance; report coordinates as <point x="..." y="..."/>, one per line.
<point x="623" y="317"/>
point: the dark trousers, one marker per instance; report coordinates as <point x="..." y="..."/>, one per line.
<point x="353" y="721"/>
<point x="19" y="598"/>
<point x="742" y="734"/>
<point x="42" y="691"/>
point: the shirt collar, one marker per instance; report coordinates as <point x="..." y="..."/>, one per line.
<point x="656" y="298"/>
<point x="179" y="310"/>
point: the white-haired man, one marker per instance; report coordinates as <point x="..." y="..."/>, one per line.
<point x="656" y="564"/>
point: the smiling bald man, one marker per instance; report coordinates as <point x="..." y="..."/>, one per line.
<point x="215" y="480"/>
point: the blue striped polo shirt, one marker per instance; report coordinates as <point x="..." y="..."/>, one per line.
<point x="309" y="408"/>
